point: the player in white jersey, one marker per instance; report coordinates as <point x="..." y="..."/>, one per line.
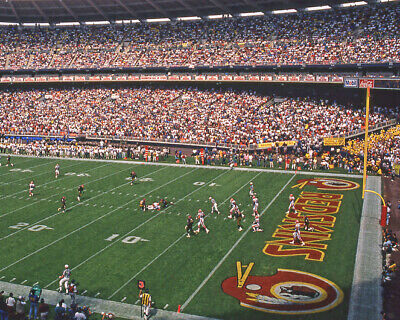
<point x="31" y="187"/>
<point x="64" y="279"/>
<point x="255" y="205"/>
<point x="233" y="208"/>
<point x="214" y="205"/>
<point x="256" y="224"/>
<point x="291" y="204"/>
<point x="57" y="170"/>
<point x="251" y="192"/>
<point x="296" y="234"/>
<point x="200" y="217"/>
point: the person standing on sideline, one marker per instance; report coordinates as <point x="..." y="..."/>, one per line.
<point x="10" y="306"/>
<point x="34" y="302"/>
<point x="146" y="303"/>
<point x="20" y="308"/>
<point x="43" y="310"/>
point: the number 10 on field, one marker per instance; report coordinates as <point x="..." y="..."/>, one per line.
<point x="128" y="239"/>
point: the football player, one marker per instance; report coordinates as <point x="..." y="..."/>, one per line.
<point x="239" y="216"/>
<point x="154" y="206"/>
<point x="9" y="161"/>
<point x="31" y="187"/>
<point x="201" y="217"/>
<point x="63" y="205"/>
<point x="57" y="170"/>
<point x="233" y="206"/>
<point x="255" y="205"/>
<point x="80" y="191"/>
<point x="307" y="226"/>
<point x="164" y="203"/>
<point x="133" y="177"/>
<point x="256" y="224"/>
<point x="189" y="226"/>
<point x="64" y="279"/>
<point x="291" y="204"/>
<point x="142" y="204"/>
<point x="73" y="290"/>
<point x="214" y="205"/>
<point x="251" y="192"/>
<point x="296" y="234"/>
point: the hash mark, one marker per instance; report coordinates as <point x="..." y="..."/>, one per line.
<point x="36" y="283"/>
<point x="13" y="279"/>
<point x="83" y="292"/>
<point x="97" y="294"/>
<point x="123" y="299"/>
<point x="24" y="281"/>
<point x="166" y="306"/>
<point x="137" y="301"/>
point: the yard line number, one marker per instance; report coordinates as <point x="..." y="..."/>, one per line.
<point x="127" y="240"/>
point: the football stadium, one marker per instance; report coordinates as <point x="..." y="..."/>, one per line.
<point x="199" y="159"/>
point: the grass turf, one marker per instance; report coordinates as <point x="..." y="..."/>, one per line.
<point x="151" y="245"/>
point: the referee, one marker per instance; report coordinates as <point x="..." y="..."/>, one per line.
<point x="146" y="303"/>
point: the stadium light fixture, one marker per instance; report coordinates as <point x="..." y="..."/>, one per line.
<point x="67" y="24"/>
<point x="219" y="16"/>
<point x="353" y="4"/>
<point x="318" y="8"/>
<point x="159" y="20"/>
<point x="97" y="23"/>
<point x="251" y="14"/>
<point x="36" y="24"/>
<point x="127" y="21"/>
<point x="188" y="18"/>
<point x="284" y="11"/>
<point x="8" y="24"/>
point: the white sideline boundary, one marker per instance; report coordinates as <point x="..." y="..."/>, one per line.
<point x="88" y="224"/>
<point x="366" y="298"/>
<point x="121" y="310"/>
<point x="134" y="229"/>
<point x="308" y="173"/>
<point x="184" y="305"/>
<point x="176" y="241"/>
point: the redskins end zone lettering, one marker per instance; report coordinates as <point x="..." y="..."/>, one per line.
<point x="286" y="292"/>
<point x="327" y="184"/>
<point x="321" y="209"/>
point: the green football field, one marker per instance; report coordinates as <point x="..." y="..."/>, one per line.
<point x="110" y="244"/>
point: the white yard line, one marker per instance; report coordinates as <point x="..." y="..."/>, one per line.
<point x="41" y="185"/>
<point x="307" y="173"/>
<point x="34" y="177"/>
<point x="84" y="226"/>
<point x="176" y="241"/>
<point x="79" y="203"/>
<point x="43" y="199"/>
<point x="28" y="168"/>
<point x="232" y="248"/>
<point x="135" y="228"/>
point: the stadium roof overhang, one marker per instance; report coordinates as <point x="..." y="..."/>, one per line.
<point x="54" y="11"/>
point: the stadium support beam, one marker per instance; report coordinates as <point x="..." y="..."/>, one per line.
<point x="158" y="8"/>
<point x="14" y="11"/>
<point x="124" y="6"/>
<point x="221" y="6"/>
<point x="254" y="5"/>
<point x="39" y="9"/>
<point x="69" y="10"/>
<point x="191" y="9"/>
<point x="98" y="9"/>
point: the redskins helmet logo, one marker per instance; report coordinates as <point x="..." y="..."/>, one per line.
<point x="286" y="292"/>
<point x="327" y="184"/>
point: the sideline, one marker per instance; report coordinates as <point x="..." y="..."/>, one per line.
<point x="121" y="310"/>
<point x="307" y="173"/>
<point x="366" y="292"/>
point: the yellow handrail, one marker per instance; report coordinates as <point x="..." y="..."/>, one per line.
<point x="383" y="200"/>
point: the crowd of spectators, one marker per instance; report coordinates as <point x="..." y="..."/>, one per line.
<point x="184" y="115"/>
<point x="370" y="34"/>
